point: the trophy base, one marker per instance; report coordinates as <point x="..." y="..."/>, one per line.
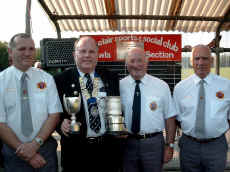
<point x="117" y="133"/>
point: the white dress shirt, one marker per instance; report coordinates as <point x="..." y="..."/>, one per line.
<point x="43" y="96"/>
<point x="153" y="91"/>
<point x="217" y="104"/>
<point x="101" y="106"/>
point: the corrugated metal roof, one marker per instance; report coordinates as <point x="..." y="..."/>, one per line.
<point x="139" y="15"/>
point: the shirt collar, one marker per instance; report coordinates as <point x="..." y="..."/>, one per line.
<point x="207" y="79"/>
<point x="143" y="79"/>
<point x="19" y="73"/>
<point x="83" y="74"/>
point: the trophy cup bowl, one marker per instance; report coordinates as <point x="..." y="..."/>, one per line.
<point x="115" y="124"/>
<point x="72" y="106"/>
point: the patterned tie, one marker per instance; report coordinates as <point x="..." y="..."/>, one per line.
<point x="200" y="114"/>
<point x="136" y="109"/>
<point x="94" y="117"/>
<point x="89" y="84"/>
<point x="26" y="119"/>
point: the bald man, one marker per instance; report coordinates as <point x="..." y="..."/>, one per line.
<point x="203" y="105"/>
<point x="146" y="149"/>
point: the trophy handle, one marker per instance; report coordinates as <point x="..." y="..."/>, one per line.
<point x="79" y="97"/>
<point x="64" y="102"/>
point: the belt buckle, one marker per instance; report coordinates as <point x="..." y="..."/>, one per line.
<point x="91" y="140"/>
<point x="142" y="135"/>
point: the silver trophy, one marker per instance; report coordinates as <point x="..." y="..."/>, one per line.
<point x="72" y="106"/>
<point x="115" y="124"/>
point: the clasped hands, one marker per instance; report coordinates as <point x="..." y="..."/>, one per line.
<point x="28" y="152"/>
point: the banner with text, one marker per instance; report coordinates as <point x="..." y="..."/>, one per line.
<point x="158" y="47"/>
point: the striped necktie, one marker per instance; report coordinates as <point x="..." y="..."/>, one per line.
<point x="89" y="84"/>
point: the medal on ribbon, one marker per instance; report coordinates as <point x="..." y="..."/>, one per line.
<point x="92" y="106"/>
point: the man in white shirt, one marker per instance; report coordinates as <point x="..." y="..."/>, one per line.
<point x="203" y="115"/>
<point x="26" y="149"/>
<point x="145" y="149"/>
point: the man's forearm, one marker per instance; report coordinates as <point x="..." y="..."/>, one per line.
<point x="49" y="126"/>
<point x="9" y="137"/>
<point x="170" y="129"/>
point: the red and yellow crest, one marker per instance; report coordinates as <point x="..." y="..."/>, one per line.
<point x="220" y="95"/>
<point x="153" y="106"/>
<point x="41" y="85"/>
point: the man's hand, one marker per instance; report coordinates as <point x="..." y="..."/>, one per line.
<point x="168" y="154"/>
<point x="65" y="127"/>
<point x="37" y="161"/>
<point x="27" y="150"/>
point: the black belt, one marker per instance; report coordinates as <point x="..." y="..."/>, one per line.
<point x="94" y="140"/>
<point x="202" y="140"/>
<point x="143" y="136"/>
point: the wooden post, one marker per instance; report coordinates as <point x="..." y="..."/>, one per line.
<point x="28" y="17"/>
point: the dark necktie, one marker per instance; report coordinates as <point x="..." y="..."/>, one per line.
<point x="200" y="114"/>
<point x="89" y="84"/>
<point x="26" y="119"/>
<point x="94" y="117"/>
<point x="136" y="109"/>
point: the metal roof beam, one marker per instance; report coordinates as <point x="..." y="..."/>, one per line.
<point x="53" y="19"/>
<point x="146" y="17"/>
<point x="224" y="20"/>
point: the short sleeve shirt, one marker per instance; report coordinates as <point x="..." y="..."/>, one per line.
<point x="43" y="96"/>
<point x="217" y="104"/>
<point x="156" y="102"/>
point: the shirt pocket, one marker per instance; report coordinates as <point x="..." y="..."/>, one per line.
<point x="219" y="108"/>
<point x="39" y="102"/>
<point x="154" y="104"/>
<point x="10" y="100"/>
<point x="187" y="106"/>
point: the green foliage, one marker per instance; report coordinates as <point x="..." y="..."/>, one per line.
<point x="3" y="55"/>
<point x="38" y="54"/>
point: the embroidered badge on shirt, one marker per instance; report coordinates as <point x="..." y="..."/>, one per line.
<point x="220" y="95"/>
<point x="153" y="106"/>
<point x="41" y="85"/>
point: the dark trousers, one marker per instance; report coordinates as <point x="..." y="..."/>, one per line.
<point x="144" y="155"/>
<point x="203" y="157"/>
<point x="1" y="157"/>
<point x="83" y="156"/>
<point x="12" y="163"/>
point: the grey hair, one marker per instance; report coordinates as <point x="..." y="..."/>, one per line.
<point x="199" y="46"/>
<point x="12" y="43"/>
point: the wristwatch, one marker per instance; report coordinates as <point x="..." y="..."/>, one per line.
<point x="39" y="140"/>
<point x="171" y="145"/>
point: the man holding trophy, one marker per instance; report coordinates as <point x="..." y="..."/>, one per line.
<point x="83" y="91"/>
